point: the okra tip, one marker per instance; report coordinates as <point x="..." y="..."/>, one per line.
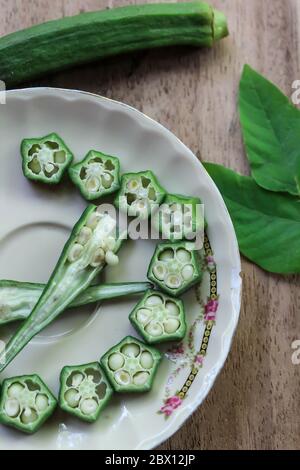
<point x="220" y="25"/>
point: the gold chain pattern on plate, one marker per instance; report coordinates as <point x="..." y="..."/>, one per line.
<point x="209" y="325"/>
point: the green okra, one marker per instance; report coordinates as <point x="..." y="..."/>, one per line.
<point x="175" y="267"/>
<point x="97" y="175"/>
<point x="92" y="244"/>
<point x="26" y="403"/>
<point x="131" y="365"/>
<point x="45" y="159"/>
<point x="179" y="217"/>
<point x="60" y="44"/>
<point x="159" y="318"/>
<point x="140" y="194"/>
<point x="84" y="391"/>
<point x="17" y="299"/>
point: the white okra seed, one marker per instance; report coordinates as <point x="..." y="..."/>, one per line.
<point x="172" y="308"/>
<point x="166" y="255"/>
<point x="28" y="416"/>
<point x="154" y="300"/>
<point x="154" y="329"/>
<point x="143" y="316"/>
<point x="12" y="407"/>
<point x="173" y="281"/>
<point x="131" y="350"/>
<point x="122" y="377"/>
<point x="133" y="185"/>
<point x="49" y="167"/>
<point x="171" y="325"/>
<point x="75" y="252"/>
<point x="88" y="406"/>
<point x="146" y="360"/>
<point x="72" y="397"/>
<point x="111" y="259"/>
<point x="110" y="243"/>
<point x="116" y="361"/>
<point x="15" y="390"/>
<point x="98" y="258"/>
<point x="183" y="255"/>
<point x="187" y="272"/>
<point x="77" y="379"/>
<point x="141" y="378"/>
<point x="93" y="220"/>
<point x="92" y="184"/>
<point x="85" y="235"/>
<point x="107" y="180"/>
<point x="41" y="402"/>
<point x="159" y="271"/>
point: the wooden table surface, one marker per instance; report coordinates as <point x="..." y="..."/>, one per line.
<point x="255" y="403"/>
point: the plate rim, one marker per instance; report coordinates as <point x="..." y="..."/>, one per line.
<point x="159" y="439"/>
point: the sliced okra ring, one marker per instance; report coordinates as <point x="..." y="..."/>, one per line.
<point x="76" y="269"/>
<point x="179" y="218"/>
<point x="175" y="267"/>
<point x="159" y="318"/>
<point x="45" y="159"/>
<point x="131" y="365"/>
<point x="26" y="403"/>
<point x="84" y="391"/>
<point x="96" y="175"/>
<point x="140" y="194"/>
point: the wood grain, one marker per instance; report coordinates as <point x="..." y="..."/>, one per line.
<point x="256" y="400"/>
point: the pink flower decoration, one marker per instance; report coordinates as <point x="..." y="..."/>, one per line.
<point x="210" y="317"/>
<point x="171" y="404"/>
<point x="211" y="306"/>
<point x="167" y="410"/>
<point x="174" y="402"/>
<point x="199" y="359"/>
<point x="210" y="310"/>
<point x="210" y="260"/>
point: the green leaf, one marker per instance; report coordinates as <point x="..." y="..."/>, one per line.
<point x="267" y="224"/>
<point x="271" y="131"/>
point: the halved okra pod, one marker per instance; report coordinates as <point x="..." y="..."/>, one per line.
<point x="179" y="218"/>
<point x="140" y="194"/>
<point x="175" y="267"/>
<point x="26" y="403"/>
<point x="84" y="391"/>
<point x="159" y="318"/>
<point x="92" y="244"/>
<point x="96" y="175"/>
<point x="131" y="365"/>
<point x="45" y="159"/>
<point x="17" y="299"/>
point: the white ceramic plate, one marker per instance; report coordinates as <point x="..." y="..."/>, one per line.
<point x="35" y="223"/>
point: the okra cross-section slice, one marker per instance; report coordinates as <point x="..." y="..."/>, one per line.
<point x="131" y="365"/>
<point x="45" y="159"/>
<point x="96" y="175"/>
<point x="26" y="403"/>
<point x="84" y="391"/>
<point x="175" y="267"/>
<point x="159" y="318"/>
<point x="140" y="194"/>
<point x="92" y="245"/>
<point x="179" y="218"/>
